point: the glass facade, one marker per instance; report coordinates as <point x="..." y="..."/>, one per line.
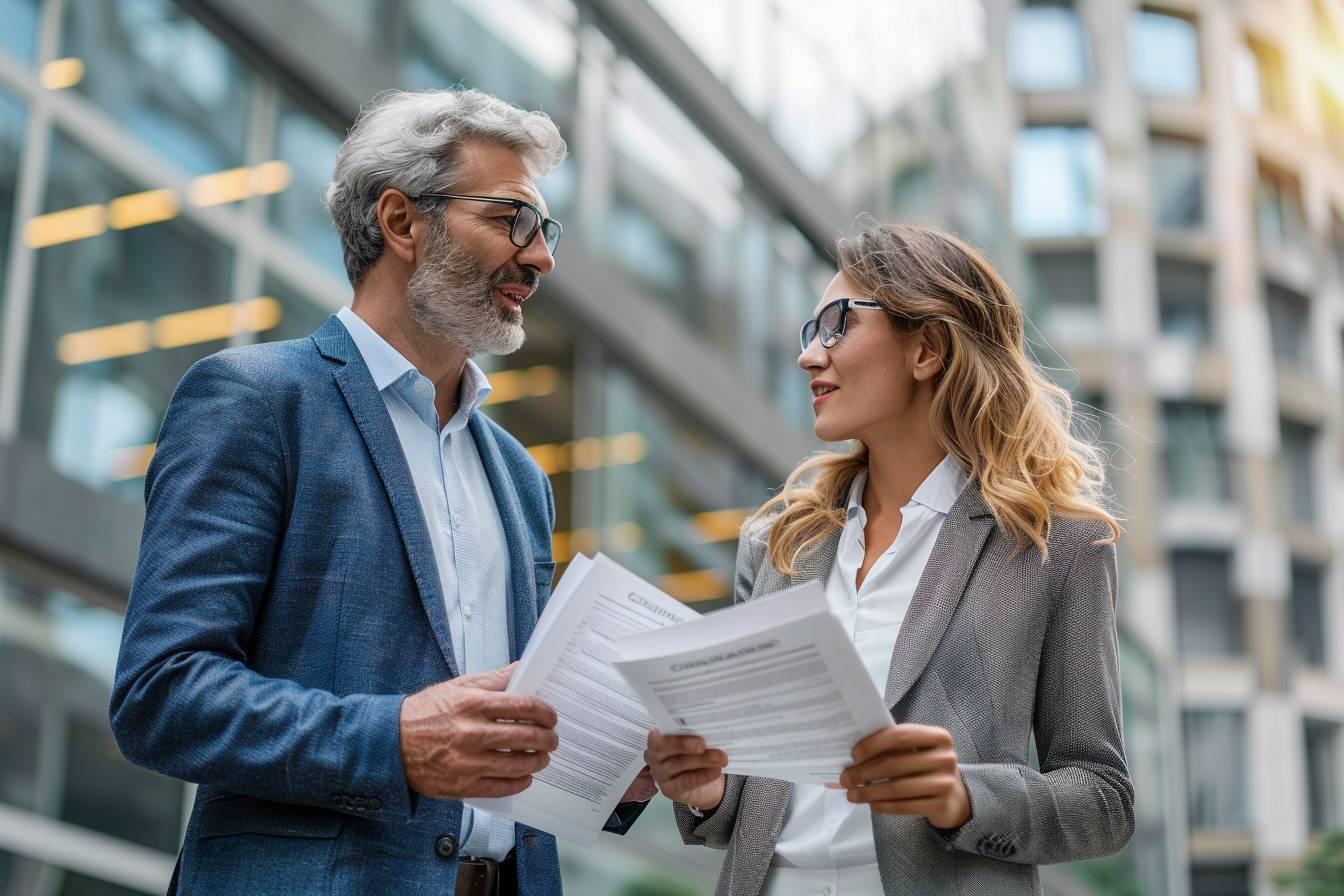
<point x="1280" y="221"/>
<point x="1184" y="297"/>
<point x="1325" y="806"/>
<point x="1178" y="182"/>
<point x="1047" y="48"/>
<point x="1208" y="613"/>
<point x="1216" y="792"/>
<point x="1164" y="54"/>
<point x="1195" y="453"/>
<point x="1289" y="324"/>
<point x="1308" y="625"/>
<point x="1057" y="183"/>
<point x="1297" y="472"/>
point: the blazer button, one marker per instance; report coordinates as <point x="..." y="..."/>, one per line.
<point x="445" y="846"/>
<point x="375" y="804"/>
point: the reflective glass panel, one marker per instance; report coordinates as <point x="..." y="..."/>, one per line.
<point x="19" y="36"/>
<point x="1178" y="182"/>
<point x="11" y="140"/>
<point x="308" y="147"/>
<point x="1308" y="632"/>
<point x="164" y="77"/>
<point x="1184" y="300"/>
<point x="1289" y="323"/>
<point x="1325" y="796"/>
<point x="1208" y="614"/>
<point x="109" y="335"/>
<point x="1195" y="453"/>
<point x="1164" y="54"/>
<point x="1057" y="182"/>
<point x="1281" y="222"/>
<point x="1047" y="49"/>
<point x="1297" y="479"/>
<point x="1216" y="792"/>
<point x="1064" y="299"/>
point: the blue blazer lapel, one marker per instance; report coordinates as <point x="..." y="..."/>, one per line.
<point x="380" y="437"/>
<point x="522" y="582"/>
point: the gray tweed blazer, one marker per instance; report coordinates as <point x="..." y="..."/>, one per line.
<point x="996" y="646"/>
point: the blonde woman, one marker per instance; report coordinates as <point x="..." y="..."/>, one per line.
<point x="964" y="542"/>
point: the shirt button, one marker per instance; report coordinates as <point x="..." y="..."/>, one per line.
<point x="457" y="521"/>
<point x="466" y="611"/>
<point x="420" y="386"/>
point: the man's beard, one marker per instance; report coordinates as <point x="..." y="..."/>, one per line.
<point x="451" y="298"/>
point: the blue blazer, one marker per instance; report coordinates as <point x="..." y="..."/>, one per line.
<point x="284" y="602"/>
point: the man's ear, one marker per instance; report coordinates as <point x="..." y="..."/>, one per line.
<point x="397" y="217"/>
<point x="931" y="349"/>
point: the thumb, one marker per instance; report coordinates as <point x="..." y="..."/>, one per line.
<point x="492" y="680"/>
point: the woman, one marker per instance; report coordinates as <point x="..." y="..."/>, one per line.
<point x="964" y="543"/>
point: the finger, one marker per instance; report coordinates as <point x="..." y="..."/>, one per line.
<point x="496" y="764"/>
<point x="666" y="745"/>
<point x="900" y="737"/>
<point x="497" y="787"/>
<point x="678" y="787"/>
<point x="917" y="808"/>
<point x="490" y="680"/>
<point x="914" y="788"/>
<point x="503" y="736"/>
<point x="518" y="708"/>
<point x="670" y="768"/>
<point x="898" y="765"/>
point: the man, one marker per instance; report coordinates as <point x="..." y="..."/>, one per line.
<point x="333" y="525"/>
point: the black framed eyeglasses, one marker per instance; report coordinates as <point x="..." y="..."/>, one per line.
<point x="829" y="323"/>
<point x="527" y="218"/>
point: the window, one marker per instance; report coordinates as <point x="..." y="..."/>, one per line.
<point x="1177" y="170"/>
<point x="1307" y="614"/>
<point x="1230" y="879"/>
<point x="19" y="36"/>
<point x="1195" y="453"/>
<point x="105" y="352"/>
<point x="1208" y="613"/>
<point x="1184" y="299"/>
<point x="1324" y="807"/>
<point x="1297" y="480"/>
<point x="164" y="77"/>
<point x="1065" y="295"/>
<point x="1047" y="47"/>
<point x="1057" y="183"/>
<point x="1164" y="54"/>
<point x="1216" y="769"/>
<point x="308" y="146"/>
<point x="1289" y="323"/>
<point x="1280" y="221"/>
<point x="1261" y="82"/>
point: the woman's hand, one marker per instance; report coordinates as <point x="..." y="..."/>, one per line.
<point x="909" y="770"/>
<point x="685" y="770"/>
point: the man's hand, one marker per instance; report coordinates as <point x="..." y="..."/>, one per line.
<point x="685" y="771"/>
<point x="453" y="732"/>
<point x="909" y="770"/>
<point x="642" y="788"/>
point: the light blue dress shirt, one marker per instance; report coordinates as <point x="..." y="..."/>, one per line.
<point x="464" y="527"/>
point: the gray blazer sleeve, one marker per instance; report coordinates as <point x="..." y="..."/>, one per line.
<point x="715" y="829"/>
<point x="1081" y="803"/>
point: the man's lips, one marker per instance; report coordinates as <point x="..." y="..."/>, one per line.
<point x="512" y="296"/>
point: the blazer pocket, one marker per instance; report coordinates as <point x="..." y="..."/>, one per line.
<point x="235" y="813"/>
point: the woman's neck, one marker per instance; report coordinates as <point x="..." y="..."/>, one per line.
<point x="897" y="466"/>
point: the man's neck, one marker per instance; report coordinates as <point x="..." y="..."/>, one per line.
<point x="440" y="362"/>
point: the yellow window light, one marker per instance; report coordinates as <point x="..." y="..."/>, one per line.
<point x="131" y="463"/>
<point x="532" y="382"/>
<point x="696" y="585"/>
<point x="58" y="74"/>
<point x="270" y="177"/>
<point x="623" y="537"/>
<point x="586" y="454"/>
<point x="627" y="448"/>
<point x="221" y="187"/>
<point x="719" y="525"/>
<point x="139" y="209"/>
<point x="590" y="454"/>
<point x="102" y="343"/>
<point x="551" y="458"/>
<point x="215" y="322"/>
<point x="65" y="226"/>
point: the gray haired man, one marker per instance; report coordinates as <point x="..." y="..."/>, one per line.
<point x="342" y="555"/>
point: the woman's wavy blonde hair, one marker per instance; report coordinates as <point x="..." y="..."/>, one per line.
<point x="993" y="410"/>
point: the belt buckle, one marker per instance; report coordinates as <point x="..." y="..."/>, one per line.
<point x="477" y="877"/>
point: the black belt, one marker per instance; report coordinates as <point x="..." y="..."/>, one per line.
<point x="487" y="877"/>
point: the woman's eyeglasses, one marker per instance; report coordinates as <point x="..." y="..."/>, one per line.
<point x="829" y="324"/>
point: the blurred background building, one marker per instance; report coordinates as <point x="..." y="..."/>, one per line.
<point x="1163" y="183"/>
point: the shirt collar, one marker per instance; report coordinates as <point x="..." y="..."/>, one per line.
<point x="938" y="491"/>
<point x="388" y="367"/>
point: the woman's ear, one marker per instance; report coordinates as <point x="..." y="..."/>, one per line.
<point x="931" y="347"/>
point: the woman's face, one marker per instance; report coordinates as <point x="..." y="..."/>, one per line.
<point x="867" y="380"/>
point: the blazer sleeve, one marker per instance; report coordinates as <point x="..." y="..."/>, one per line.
<point x="1080" y="804"/>
<point x="184" y="702"/>
<point x="715" y="829"/>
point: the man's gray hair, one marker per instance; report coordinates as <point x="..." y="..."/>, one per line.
<point x="411" y="141"/>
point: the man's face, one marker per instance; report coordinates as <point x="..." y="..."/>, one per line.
<point x="471" y="280"/>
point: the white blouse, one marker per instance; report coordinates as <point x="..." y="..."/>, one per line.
<point x="826" y="847"/>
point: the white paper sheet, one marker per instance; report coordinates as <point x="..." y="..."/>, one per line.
<point x="603" y="727"/>
<point x="775" y="683"/>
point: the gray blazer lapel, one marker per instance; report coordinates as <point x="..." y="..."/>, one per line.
<point x="940" y="588"/>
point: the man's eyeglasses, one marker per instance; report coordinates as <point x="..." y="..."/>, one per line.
<point x="829" y="324"/>
<point x="527" y="218"/>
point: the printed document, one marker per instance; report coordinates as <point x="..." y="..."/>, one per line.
<point x="774" y="683"/>
<point x="603" y="727"/>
